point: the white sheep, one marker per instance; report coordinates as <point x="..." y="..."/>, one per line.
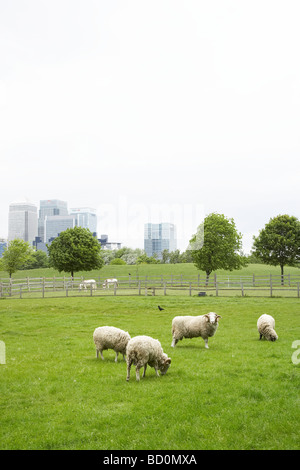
<point x="109" y="337"/>
<point x="144" y="350"/>
<point x="265" y="326"/>
<point x="194" y="326"/>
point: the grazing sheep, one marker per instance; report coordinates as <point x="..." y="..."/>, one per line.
<point x="193" y="327"/>
<point x="91" y="283"/>
<point x="109" y="337"/>
<point x="144" y="350"/>
<point x="265" y="326"/>
<point x="110" y="282"/>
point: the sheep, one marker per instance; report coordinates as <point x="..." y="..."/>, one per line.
<point x="265" y="326"/>
<point x="144" y="350"/>
<point x="109" y="337"/>
<point x="91" y="283"/>
<point x="194" y="326"/>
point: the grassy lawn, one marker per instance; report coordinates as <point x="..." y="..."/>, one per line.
<point x="242" y="393"/>
<point x="155" y="270"/>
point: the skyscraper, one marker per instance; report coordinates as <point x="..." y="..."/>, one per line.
<point x="86" y="217"/>
<point x="159" y="237"/>
<point x="55" y="224"/>
<point x="22" y="221"/>
<point x="50" y="207"/>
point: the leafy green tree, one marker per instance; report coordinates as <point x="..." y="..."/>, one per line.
<point x="217" y="245"/>
<point x="174" y="257"/>
<point x="278" y="244"/>
<point x="75" y="249"/>
<point x="165" y="254"/>
<point x="15" y="255"/>
<point x="117" y="261"/>
<point x="38" y="259"/>
<point x="144" y="259"/>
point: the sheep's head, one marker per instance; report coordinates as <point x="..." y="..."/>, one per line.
<point x="165" y="364"/>
<point x="273" y="336"/>
<point x="212" y="317"/>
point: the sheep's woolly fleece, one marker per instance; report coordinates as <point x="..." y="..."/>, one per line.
<point x="144" y="350"/>
<point x="194" y="326"/>
<point x="110" y="337"/>
<point x="265" y="326"/>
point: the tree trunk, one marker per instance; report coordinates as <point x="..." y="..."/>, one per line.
<point x="207" y="278"/>
<point x="282" y="278"/>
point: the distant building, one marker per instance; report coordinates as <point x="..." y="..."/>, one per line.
<point x="86" y="217"/>
<point x="22" y="221"/>
<point x="106" y="245"/>
<point x="50" y="207"/>
<point x="3" y="245"/>
<point x="55" y="224"/>
<point x="159" y="237"/>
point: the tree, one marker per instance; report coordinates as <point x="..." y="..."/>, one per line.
<point x="278" y="244"/>
<point x="15" y="255"/>
<point x="75" y="249"/>
<point x="217" y="245"/>
<point x="38" y="259"/>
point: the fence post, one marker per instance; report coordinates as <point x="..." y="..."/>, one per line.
<point x="43" y="288"/>
<point x="66" y="290"/>
<point x="217" y="292"/>
<point x="139" y="287"/>
<point x="253" y="280"/>
<point x="21" y="291"/>
<point x="165" y="288"/>
<point x="1" y="289"/>
<point x="91" y="286"/>
<point x="298" y="290"/>
<point x="242" y="287"/>
<point x="271" y="288"/>
<point x="215" y="276"/>
<point x="190" y="289"/>
<point x="115" y="289"/>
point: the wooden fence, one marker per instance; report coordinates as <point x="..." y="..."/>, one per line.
<point x="271" y="286"/>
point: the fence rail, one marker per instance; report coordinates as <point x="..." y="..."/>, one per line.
<point x="273" y="285"/>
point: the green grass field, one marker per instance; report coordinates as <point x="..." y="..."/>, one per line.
<point x="155" y="270"/>
<point x="242" y="393"/>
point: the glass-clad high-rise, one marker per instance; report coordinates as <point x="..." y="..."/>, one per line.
<point x="86" y="217"/>
<point x="50" y="207"/>
<point x="159" y="237"/>
<point x="22" y="221"/>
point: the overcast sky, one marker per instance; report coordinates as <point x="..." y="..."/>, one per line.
<point x="152" y="110"/>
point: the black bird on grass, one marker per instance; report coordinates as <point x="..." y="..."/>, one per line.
<point x="160" y="308"/>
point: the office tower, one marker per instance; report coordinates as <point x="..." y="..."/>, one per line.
<point x="86" y="217"/>
<point x="22" y="221"/>
<point x="159" y="237"/>
<point x="50" y="207"/>
<point x="3" y="245"/>
<point x="55" y="224"/>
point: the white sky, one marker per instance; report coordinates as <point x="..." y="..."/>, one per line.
<point x="144" y="109"/>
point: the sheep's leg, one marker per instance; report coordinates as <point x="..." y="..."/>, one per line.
<point x="260" y="336"/>
<point x="174" y="342"/>
<point x="97" y="353"/>
<point x="156" y="370"/>
<point x="206" y="343"/>
<point x="116" y="359"/>
<point x="145" y="367"/>
<point x="137" y="373"/>
<point x="128" y="370"/>
<point x="101" y="355"/>
<point x="124" y="358"/>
